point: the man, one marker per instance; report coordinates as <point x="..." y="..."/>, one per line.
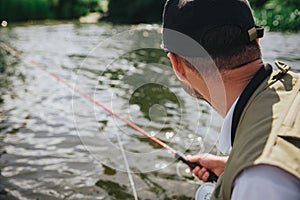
<point x="261" y="106"/>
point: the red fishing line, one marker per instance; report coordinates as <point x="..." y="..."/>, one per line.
<point x="178" y="155"/>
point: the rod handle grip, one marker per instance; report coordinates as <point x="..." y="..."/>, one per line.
<point x="212" y="176"/>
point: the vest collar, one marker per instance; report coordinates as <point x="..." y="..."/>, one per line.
<point x="258" y="78"/>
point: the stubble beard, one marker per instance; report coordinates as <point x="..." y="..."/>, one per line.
<point x="191" y="91"/>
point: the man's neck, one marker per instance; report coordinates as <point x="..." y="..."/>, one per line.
<point x="236" y="80"/>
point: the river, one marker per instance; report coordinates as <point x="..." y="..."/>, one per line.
<point x="55" y="144"/>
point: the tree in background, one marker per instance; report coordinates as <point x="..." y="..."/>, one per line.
<point x="277" y="15"/>
<point x="72" y="9"/>
<point x="257" y="3"/>
<point x="135" y="11"/>
<point x="24" y="10"/>
<point x="262" y="3"/>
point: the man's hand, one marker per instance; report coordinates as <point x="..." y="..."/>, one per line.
<point x="208" y="161"/>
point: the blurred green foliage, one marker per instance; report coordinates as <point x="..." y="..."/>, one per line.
<point x="278" y="15"/>
<point x="257" y="3"/>
<point x="72" y="9"/>
<point x="24" y="10"/>
<point x="135" y="11"/>
<point x="275" y="15"/>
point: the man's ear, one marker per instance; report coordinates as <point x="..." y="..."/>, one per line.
<point x="177" y="66"/>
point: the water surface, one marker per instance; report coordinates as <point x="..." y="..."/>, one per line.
<point x="56" y="145"/>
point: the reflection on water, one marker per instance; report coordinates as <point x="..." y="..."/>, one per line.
<point x="56" y="145"/>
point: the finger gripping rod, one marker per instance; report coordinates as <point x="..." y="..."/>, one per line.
<point x="212" y="176"/>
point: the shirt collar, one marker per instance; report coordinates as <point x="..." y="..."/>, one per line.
<point x="257" y="80"/>
<point x="224" y="145"/>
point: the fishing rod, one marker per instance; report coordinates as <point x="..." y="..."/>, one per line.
<point x="178" y="155"/>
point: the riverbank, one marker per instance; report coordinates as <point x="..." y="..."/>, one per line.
<point x="92" y="18"/>
<point x="27" y="10"/>
<point x="274" y="15"/>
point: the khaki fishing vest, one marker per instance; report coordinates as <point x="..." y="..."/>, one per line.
<point x="268" y="131"/>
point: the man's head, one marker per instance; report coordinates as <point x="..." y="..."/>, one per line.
<point x="225" y="30"/>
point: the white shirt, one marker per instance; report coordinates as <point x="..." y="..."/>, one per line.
<point x="261" y="182"/>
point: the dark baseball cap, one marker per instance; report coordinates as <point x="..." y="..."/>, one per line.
<point x="185" y="23"/>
